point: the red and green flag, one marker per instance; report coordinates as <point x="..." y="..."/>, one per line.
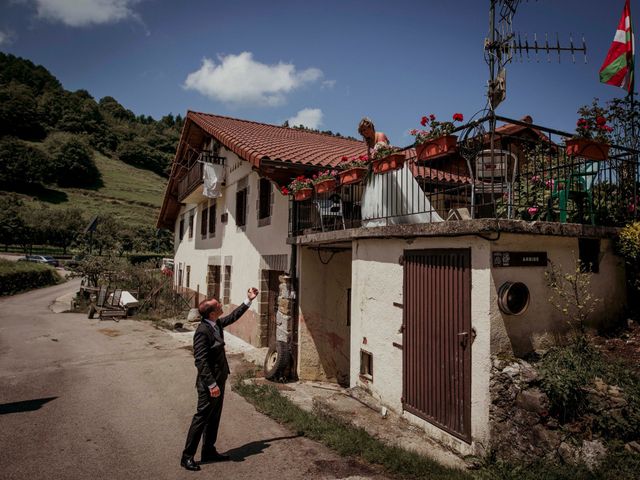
<point x="617" y="68"/>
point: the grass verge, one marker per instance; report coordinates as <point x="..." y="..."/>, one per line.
<point x="351" y="441"/>
<point x="344" y="439"/>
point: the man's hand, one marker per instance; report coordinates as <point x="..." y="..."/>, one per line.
<point x="214" y="391"/>
<point x="252" y="293"/>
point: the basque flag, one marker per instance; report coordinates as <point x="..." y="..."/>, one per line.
<point x="617" y="68"/>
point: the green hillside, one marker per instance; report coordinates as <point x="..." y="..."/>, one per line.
<point x="131" y="195"/>
<point x="65" y="150"/>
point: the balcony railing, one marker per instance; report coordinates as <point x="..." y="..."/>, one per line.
<point x="193" y="177"/>
<point x="529" y="176"/>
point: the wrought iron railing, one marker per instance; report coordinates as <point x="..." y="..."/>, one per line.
<point x="529" y="175"/>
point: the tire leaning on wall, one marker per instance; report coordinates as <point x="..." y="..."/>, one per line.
<point x="277" y="361"/>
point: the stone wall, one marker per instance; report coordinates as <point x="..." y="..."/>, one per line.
<point x="522" y="428"/>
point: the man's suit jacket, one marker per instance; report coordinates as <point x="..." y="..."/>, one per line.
<point x="208" y="349"/>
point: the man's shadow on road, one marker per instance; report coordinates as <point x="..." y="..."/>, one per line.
<point x="239" y="454"/>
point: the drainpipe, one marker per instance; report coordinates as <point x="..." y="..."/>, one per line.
<point x="293" y="341"/>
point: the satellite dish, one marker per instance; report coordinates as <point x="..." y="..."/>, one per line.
<point x="93" y="224"/>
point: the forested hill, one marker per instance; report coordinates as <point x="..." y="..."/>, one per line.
<point x="62" y="150"/>
<point x="35" y="107"/>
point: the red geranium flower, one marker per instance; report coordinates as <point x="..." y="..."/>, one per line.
<point x="432" y="117"/>
<point x="458" y="117"/>
<point x="423" y="121"/>
<point x="284" y="191"/>
<point x="344" y="159"/>
<point x="601" y="120"/>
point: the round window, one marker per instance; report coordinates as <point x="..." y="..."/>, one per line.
<point x="513" y="298"/>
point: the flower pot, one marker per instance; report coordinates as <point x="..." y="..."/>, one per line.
<point x="353" y="175"/>
<point x="437" y="147"/>
<point x="584" y="147"/>
<point x="388" y="163"/>
<point x="325" y="185"/>
<point x="303" y="194"/>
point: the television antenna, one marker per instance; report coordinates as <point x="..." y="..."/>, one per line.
<point x="504" y="45"/>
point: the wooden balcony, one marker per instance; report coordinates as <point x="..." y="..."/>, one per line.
<point x="193" y="178"/>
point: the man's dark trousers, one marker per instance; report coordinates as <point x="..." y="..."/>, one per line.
<point x="205" y="422"/>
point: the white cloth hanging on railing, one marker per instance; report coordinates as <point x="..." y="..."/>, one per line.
<point x="395" y="198"/>
<point x="212" y="179"/>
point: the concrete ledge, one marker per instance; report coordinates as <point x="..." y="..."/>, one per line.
<point x="486" y="226"/>
<point x="383" y="425"/>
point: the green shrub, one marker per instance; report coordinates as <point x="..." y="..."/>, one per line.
<point x="565" y="371"/>
<point x="20" y="276"/>
<point x="629" y="242"/>
<point x="629" y="247"/>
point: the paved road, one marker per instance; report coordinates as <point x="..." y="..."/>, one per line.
<point x="83" y="399"/>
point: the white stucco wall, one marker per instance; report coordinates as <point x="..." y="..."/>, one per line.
<point x="245" y="245"/>
<point x="377" y="279"/>
<point x="538" y="326"/>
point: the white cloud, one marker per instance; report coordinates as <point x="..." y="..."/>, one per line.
<point x="80" y="13"/>
<point x="309" y="117"/>
<point x="4" y="38"/>
<point x="239" y="79"/>
<point x="328" y="84"/>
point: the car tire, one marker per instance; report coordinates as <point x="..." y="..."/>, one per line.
<point x="277" y="360"/>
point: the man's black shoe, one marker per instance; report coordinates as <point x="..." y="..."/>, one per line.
<point x="189" y="464"/>
<point x="214" y="456"/>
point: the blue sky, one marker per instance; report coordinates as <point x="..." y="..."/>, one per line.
<point x="334" y="61"/>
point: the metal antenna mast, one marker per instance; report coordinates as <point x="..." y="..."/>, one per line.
<point x="502" y="46"/>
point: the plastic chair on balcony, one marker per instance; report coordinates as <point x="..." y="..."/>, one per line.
<point x="330" y="212"/>
<point x="577" y="187"/>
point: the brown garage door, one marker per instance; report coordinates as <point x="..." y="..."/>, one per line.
<point x="437" y="338"/>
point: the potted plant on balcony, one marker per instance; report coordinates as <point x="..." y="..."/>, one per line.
<point x="385" y="158"/>
<point x="353" y="170"/>
<point x="300" y="187"/>
<point x="592" y="136"/>
<point x="325" y="181"/>
<point x="437" y="140"/>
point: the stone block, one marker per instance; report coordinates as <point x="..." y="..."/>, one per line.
<point x="546" y="439"/>
<point x="592" y="453"/>
<point x="193" y="315"/>
<point x="533" y="400"/>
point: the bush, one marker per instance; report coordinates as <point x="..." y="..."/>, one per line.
<point x="151" y="258"/>
<point x="20" y="276"/>
<point x="565" y="372"/>
<point x="629" y="243"/>
<point x="22" y="164"/>
<point x="73" y="162"/>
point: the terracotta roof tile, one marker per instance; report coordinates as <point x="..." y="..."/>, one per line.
<point x="255" y="141"/>
<point x="431" y="173"/>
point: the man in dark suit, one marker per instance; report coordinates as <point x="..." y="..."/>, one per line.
<point x="213" y="369"/>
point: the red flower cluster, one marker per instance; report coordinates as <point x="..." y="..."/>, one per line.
<point x="351" y="162"/>
<point x="284" y="191"/>
<point x="458" y="117"/>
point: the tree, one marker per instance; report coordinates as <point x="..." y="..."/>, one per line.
<point x="12" y="226"/>
<point x="19" y="112"/>
<point x="73" y="163"/>
<point x="81" y="113"/>
<point x="22" y="164"/>
<point x="63" y="227"/>
<point x="110" y="105"/>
